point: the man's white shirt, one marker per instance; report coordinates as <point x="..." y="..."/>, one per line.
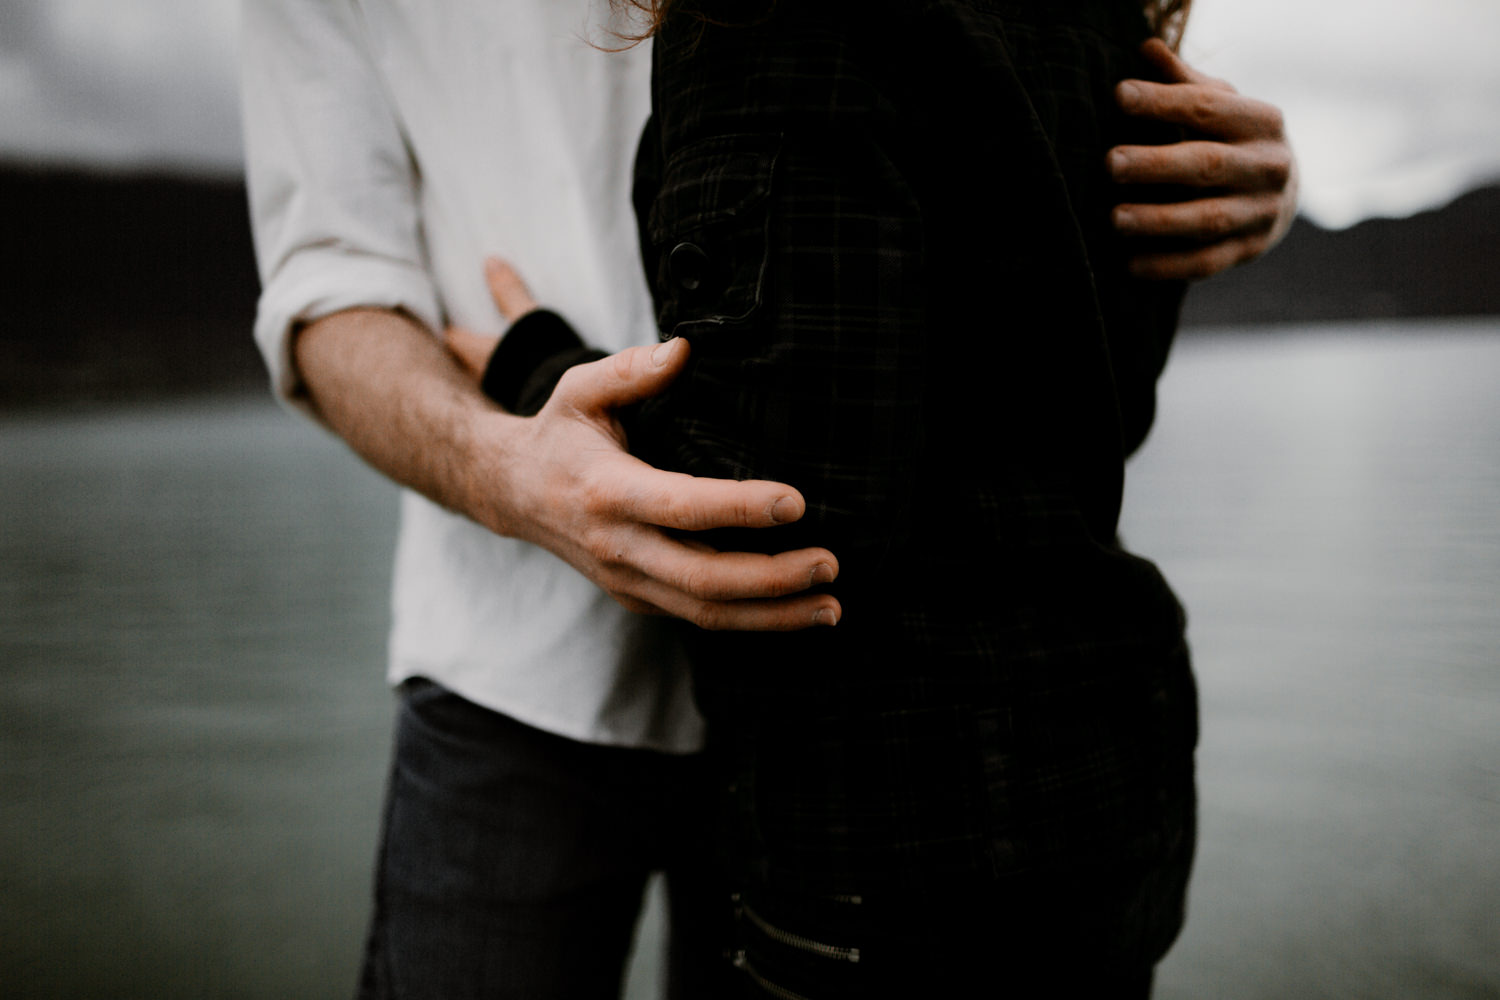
<point x="391" y="146"/>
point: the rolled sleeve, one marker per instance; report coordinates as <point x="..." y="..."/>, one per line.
<point x="318" y="281"/>
<point x="333" y="189"/>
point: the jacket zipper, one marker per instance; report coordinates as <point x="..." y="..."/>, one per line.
<point x="797" y="940"/>
<point x="779" y="992"/>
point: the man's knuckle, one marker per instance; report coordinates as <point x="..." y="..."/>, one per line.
<point x="1276" y="169"/>
<point x="780" y="585"/>
<point x="1224" y="256"/>
<point x="605" y="546"/>
<point x="1205" y="110"/>
<point x="679" y="509"/>
<point x="1210" y="166"/>
<point x="599" y="499"/>
<point x="710" y="616"/>
<point x="1263" y="213"/>
<point x="623" y="362"/>
<point x="1250" y="248"/>
<point x="634" y="604"/>
<point x="1165" y="220"/>
<point x="570" y="382"/>
<point x="748" y="512"/>
<point x="696" y="579"/>
<point x="1218" y="220"/>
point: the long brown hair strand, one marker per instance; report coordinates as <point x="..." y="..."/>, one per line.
<point x="1167" y="18"/>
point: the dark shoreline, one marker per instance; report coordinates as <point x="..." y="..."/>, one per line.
<point x="125" y="287"/>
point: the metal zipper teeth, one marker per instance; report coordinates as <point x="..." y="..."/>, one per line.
<point x="780" y="992"/>
<point x="798" y="941"/>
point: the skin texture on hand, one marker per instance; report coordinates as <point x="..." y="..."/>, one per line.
<point x="1239" y="159"/>
<point x="562" y="479"/>
<point x="616" y="519"/>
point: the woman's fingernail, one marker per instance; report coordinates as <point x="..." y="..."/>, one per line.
<point x="1128" y="94"/>
<point x="662" y="353"/>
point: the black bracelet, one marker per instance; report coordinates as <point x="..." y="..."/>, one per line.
<point x="530" y="359"/>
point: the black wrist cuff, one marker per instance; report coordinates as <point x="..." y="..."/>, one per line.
<point x="529" y="360"/>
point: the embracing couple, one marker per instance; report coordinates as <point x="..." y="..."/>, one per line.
<point x="816" y="605"/>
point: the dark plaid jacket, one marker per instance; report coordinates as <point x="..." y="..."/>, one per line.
<point x="884" y="227"/>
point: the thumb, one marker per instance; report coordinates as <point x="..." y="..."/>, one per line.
<point x="630" y="376"/>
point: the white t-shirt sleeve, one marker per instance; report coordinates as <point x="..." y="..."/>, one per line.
<point x="333" y="189"/>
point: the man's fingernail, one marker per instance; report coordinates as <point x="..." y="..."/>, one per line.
<point x="1118" y="161"/>
<point x="821" y="573"/>
<point x="1124" y="218"/>
<point x="661" y="353"/>
<point x="784" y="510"/>
<point x="825" y="616"/>
<point x="1128" y="94"/>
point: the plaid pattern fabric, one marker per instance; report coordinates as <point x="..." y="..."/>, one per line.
<point x="883" y="226"/>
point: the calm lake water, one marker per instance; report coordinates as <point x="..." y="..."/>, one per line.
<point x="193" y="727"/>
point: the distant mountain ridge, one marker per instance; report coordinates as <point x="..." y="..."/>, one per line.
<point x="1444" y="262"/>
<point x="124" y="286"/>
<point x="128" y="286"/>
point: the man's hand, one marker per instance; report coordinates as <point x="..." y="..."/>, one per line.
<point x="574" y="490"/>
<point x="1242" y="164"/>
<point x="562" y="479"/>
<point x="582" y="497"/>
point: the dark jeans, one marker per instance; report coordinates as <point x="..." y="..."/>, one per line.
<point x="513" y="861"/>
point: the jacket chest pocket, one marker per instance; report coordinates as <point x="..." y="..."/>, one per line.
<point x="707" y="232"/>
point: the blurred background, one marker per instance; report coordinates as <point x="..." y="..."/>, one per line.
<point x="193" y="723"/>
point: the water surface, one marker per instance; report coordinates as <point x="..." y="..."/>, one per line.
<point x="193" y="727"/>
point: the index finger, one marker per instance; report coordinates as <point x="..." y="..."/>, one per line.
<point x="1210" y="110"/>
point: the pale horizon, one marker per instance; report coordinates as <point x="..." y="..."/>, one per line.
<point x="1391" y="109"/>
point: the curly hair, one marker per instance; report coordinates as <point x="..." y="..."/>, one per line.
<point x="1167" y="18"/>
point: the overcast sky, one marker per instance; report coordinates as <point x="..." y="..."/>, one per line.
<point x="1393" y="107"/>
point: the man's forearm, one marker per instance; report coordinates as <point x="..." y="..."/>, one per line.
<point x="561" y="479"/>
<point x="390" y="390"/>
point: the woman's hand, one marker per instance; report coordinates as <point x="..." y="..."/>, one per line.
<point x="1241" y="161"/>
<point x="512" y="298"/>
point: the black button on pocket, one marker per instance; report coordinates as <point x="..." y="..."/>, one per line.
<point x="705" y="236"/>
<point x="688" y="264"/>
